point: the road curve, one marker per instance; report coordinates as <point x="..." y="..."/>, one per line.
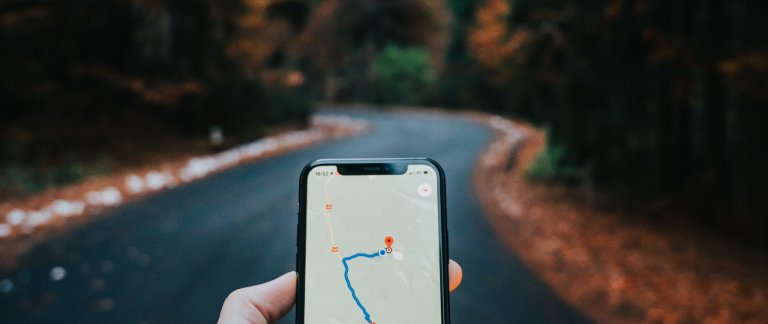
<point x="174" y="256"/>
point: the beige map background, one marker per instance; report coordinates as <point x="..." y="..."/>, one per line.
<point x="365" y="210"/>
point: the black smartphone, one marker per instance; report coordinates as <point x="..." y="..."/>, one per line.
<point x="372" y="242"/>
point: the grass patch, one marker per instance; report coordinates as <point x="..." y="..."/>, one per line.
<point x="546" y="165"/>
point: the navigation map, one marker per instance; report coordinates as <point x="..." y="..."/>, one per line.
<point x="372" y="248"/>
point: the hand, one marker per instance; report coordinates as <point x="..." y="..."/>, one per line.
<point x="268" y="302"/>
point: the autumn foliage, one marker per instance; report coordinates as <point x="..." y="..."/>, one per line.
<point x="659" y="106"/>
<point x="647" y="99"/>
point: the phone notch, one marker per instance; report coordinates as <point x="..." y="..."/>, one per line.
<point x="372" y="168"/>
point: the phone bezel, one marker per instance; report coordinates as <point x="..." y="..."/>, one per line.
<point x="354" y="166"/>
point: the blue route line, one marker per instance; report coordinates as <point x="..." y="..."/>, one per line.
<point x="349" y="285"/>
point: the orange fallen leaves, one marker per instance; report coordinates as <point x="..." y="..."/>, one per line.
<point x="610" y="264"/>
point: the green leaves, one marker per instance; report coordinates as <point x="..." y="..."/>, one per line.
<point x="403" y="75"/>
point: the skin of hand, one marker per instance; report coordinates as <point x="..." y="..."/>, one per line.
<point x="268" y="302"/>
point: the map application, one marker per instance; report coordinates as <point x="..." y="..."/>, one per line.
<point x="372" y="247"/>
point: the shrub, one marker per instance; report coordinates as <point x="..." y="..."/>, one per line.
<point x="403" y="75"/>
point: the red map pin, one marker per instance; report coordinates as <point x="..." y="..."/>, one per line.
<point x="388" y="241"/>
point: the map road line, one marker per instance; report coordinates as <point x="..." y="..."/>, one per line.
<point x="349" y="285"/>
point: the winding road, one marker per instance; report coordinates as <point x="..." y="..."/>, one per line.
<point x="174" y="256"/>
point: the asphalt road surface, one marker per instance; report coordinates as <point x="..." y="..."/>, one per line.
<point x="174" y="256"/>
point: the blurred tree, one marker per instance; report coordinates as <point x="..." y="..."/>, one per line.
<point x="403" y="75"/>
<point x="343" y="38"/>
<point x="79" y="76"/>
<point x="460" y="84"/>
<point x="640" y="96"/>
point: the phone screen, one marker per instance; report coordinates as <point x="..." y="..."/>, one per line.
<point x="373" y="247"/>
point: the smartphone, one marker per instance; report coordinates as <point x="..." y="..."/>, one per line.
<point x="372" y="242"/>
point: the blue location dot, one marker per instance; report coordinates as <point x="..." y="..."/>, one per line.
<point x="382" y="252"/>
